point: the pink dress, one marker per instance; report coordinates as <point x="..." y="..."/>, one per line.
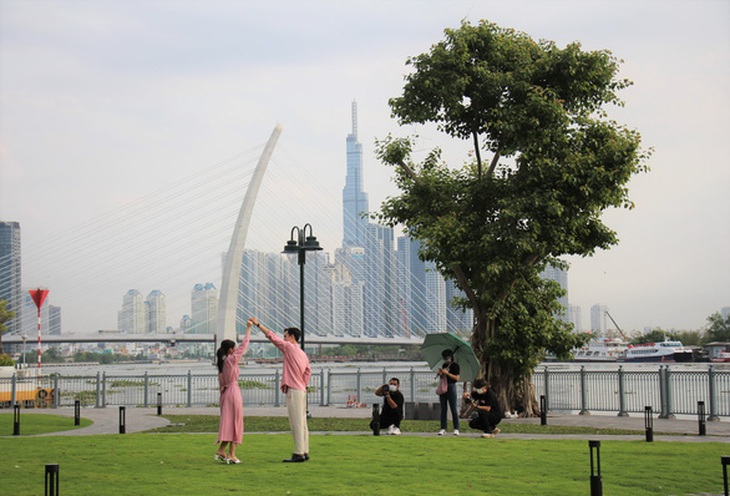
<point x="231" y="403"/>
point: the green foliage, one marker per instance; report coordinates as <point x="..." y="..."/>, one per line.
<point x="556" y="164"/>
<point x="6" y="360"/>
<point x="691" y="338"/>
<point x="5" y="316"/>
<point x="653" y="336"/>
<point x="248" y="384"/>
<point x="718" y="329"/>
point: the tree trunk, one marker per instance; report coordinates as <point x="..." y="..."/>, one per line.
<point x="515" y="394"/>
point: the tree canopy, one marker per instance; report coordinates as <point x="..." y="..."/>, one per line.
<point x="718" y="329"/>
<point x="556" y="162"/>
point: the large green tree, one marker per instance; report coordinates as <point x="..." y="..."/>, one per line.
<point x="555" y="162"/>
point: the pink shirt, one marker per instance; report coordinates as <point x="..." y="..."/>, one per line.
<point x="296" y="364"/>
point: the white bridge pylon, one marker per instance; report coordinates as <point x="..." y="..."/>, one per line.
<point x="228" y="297"/>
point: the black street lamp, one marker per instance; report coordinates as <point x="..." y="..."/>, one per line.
<point x="301" y="245"/>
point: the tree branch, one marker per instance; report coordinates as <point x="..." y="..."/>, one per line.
<point x="493" y="165"/>
<point x="477" y="153"/>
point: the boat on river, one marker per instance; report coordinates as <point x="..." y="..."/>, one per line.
<point x="722" y="357"/>
<point x="600" y="350"/>
<point x="664" y="351"/>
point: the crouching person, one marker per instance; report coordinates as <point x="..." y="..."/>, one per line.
<point x="488" y="411"/>
<point x="392" y="412"/>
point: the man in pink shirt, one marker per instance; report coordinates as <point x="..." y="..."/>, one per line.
<point x="294" y="381"/>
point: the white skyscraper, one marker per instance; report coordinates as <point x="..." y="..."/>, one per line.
<point x="204" y="306"/>
<point x="598" y="319"/>
<point x="575" y="317"/>
<point x="156" y="312"/>
<point x="131" y="318"/>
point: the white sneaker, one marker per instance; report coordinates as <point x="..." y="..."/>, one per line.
<point x="496" y="431"/>
<point x="487" y="435"/>
<point x="396" y="431"/>
<point x="456" y="432"/>
<point x="442" y="432"/>
<point x="391" y="430"/>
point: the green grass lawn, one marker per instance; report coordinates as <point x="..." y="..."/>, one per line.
<point x="182" y="463"/>
<point x="31" y="424"/>
<point x="209" y="423"/>
<point x="152" y="464"/>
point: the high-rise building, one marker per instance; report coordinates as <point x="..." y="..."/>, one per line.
<point x="575" y="317"/>
<point x="599" y="319"/>
<point x="354" y="199"/>
<point x="561" y="277"/>
<point x="54" y="320"/>
<point x="156" y="312"/>
<point x="424" y="303"/>
<point x="131" y="318"/>
<point x="10" y="273"/>
<point x="456" y="318"/>
<point x="204" y="306"/>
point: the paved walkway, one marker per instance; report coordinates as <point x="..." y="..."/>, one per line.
<point x="106" y="421"/>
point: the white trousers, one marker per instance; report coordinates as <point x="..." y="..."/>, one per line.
<point x="296" y="404"/>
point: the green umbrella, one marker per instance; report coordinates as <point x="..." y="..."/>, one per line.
<point x="434" y="344"/>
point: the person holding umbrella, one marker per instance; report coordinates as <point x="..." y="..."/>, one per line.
<point x="451" y="371"/>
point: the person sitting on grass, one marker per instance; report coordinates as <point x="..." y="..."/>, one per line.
<point x="488" y="411"/>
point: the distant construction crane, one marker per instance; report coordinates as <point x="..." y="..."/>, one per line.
<point x="617" y="327"/>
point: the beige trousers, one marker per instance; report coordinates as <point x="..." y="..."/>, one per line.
<point x="296" y="404"/>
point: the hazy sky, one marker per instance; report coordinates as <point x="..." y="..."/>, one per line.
<point x="105" y="102"/>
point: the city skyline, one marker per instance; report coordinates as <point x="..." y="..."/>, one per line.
<point x="100" y="111"/>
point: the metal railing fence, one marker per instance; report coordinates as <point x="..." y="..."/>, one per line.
<point x="669" y="391"/>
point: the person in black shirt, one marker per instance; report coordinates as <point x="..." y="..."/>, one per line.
<point x="488" y="412"/>
<point x="392" y="412"/>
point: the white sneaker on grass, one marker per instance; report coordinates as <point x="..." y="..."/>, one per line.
<point x="442" y="432"/>
<point x="456" y="432"/>
<point x="396" y="431"/>
<point x="391" y="430"/>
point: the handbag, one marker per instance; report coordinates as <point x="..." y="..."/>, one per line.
<point x="443" y="385"/>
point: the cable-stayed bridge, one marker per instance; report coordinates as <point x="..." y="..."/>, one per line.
<point x="176" y="238"/>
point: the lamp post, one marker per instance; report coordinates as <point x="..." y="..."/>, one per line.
<point x="24" y="338"/>
<point x="300" y="246"/>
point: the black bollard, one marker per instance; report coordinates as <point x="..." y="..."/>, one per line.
<point x="16" y="420"/>
<point x="159" y="403"/>
<point x="543" y="410"/>
<point x="725" y="462"/>
<point x="649" y="424"/>
<point x="375" y="422"/>
<point x="52" y="479"/>
<point x="122" y="420"/>
<point x="596" y="482"/>
<point x="701" y="418"/>
<point x="77" y="412"/>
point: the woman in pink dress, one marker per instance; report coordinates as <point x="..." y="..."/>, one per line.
<point x="230" y="431"/>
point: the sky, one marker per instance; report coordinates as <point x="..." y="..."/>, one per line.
<point x="106" y="103"/>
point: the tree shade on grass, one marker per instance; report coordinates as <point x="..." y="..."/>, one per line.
<point x="356" y="464"/>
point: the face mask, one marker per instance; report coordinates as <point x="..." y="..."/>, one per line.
<point x="393" y="388"/>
